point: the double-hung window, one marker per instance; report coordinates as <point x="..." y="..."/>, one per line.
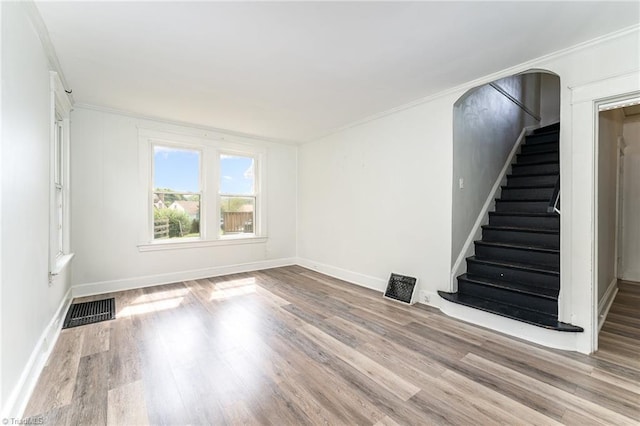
<point x="59" y="247"/>
<point x="199" y="191"/>
<point x="58" y="186"/>
<point x="176" y="192"/>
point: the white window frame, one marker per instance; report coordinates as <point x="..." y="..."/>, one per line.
<point x="210" y="147"/>
<point x="59" y="178"/>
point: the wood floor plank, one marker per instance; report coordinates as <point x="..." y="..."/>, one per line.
<point x="531" y="384"/>
<point x="494" y="405"/>
<point x="126" y="405"/>
<point x="239" y="414"/>
<point x="96" y="338"/>
<point x="327" y="386"/>
<point x="376" y="372"/>
<point x="57" y="381"/>
<point x="292" y="346"/>
<point x="387" y="421"/>
<point x="618" y="381"/>
<point x="89" y="405"/>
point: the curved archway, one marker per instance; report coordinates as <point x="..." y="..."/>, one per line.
<point x="486" y="123"/>
<point x="490" y="123"/>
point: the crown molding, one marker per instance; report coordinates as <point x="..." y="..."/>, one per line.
<point x="45" y="40"/>
<point x="222" y="132"/>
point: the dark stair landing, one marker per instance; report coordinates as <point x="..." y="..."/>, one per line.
<point x="515" y="272"/>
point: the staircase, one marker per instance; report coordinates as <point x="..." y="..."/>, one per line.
<point x="515" y="272"/>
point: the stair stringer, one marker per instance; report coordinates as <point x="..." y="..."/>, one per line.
<point x="468" y="249"/>
<point x="551" y="338"/>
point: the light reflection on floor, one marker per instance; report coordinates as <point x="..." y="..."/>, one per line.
<point x="148" y="307"/>
<point x="227" y="289"/>
<point x="234" y="346"/>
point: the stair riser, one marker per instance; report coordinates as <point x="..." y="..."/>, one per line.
<point x="514" y="181"/>
<point x="551" y="222"/>
<point x="529" y="238"/>
<point x="535" y="169"/>
<point x="534" y="158"/>
<point x="522" y="206"/>
<point x="547" y="129"/>
<point x="515" y="275"/>
<point x="526" y="193"/>
<point x="549" y="137"/>
<point x="529" y="257"/>
<point x="509" y="297"/>
<point x="529" y="148"/>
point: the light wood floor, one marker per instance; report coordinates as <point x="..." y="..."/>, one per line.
<point x="291" y="346"/>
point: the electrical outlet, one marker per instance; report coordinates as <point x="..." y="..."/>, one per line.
<point x="461" y="183"/>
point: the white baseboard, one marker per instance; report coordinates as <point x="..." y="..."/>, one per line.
<point x="17" y="401"/>
<point x="373" y="283"/>
<point x="102" y="287"/>
<point x="429" y="298"/>
<point x="633" y="276"/>
<point x="604" y="304"/>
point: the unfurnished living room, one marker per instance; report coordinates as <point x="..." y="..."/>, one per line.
<point x="336" y="213"/>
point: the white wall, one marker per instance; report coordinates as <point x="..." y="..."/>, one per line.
<point x="376" y="197"/>
<point x="610" y="129"/>
<point x="630" y="267"/>
<point x="105" y="186"/>
<point x="549" y="99"/>
<point x="369" y="203"/>
<point x="486" y="125"/>
<point x="28" y="302"/>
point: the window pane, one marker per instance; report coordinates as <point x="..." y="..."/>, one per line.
<point x="237" y="215"/>
<point x="176" y="170"/>
<point x="236" y="175"/>
<point x="176" y="215"/>
<point x="57" y="179"/>
<point x="59" y="219"/>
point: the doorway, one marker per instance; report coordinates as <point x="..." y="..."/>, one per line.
<point x="618" y="201"/>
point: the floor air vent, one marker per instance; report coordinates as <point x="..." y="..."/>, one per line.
<point x="90" y="312"/>
<point x="400" y="288"/>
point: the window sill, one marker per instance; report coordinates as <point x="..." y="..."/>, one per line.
<point x="177" y="245"/>
<point x="61" y="263"/>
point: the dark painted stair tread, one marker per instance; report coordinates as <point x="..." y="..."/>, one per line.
<point x="519" y="314"/>
<point x="532" y="174"/>
<point x="541" y="269"/>
<point x="551" y="128"/>
<point x="534" y="214"/>
<point x="543" y="186"/>
<point x="543" y="138"/>
<point x="523" y="200"/>
<point x="519" y="247"/>
<point x="534" y="163"/>
<point x="546" y="151"/>
<point x="527" y="186"/>
<point x="529" y="138"/>
<point x="521" y="229"/>
<point x="549" y="145"/>
<point x="546" y="293"/>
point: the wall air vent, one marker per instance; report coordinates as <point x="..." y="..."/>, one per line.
<point x="401" y="288"/>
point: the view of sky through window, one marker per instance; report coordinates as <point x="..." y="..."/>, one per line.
<point x="236" y="175"/>
<point x="176" y="169"/>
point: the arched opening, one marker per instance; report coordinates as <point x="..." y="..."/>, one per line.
<point x="505" y="255"/>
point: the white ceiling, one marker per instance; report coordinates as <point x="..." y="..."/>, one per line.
<point x="294" y="71"/>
